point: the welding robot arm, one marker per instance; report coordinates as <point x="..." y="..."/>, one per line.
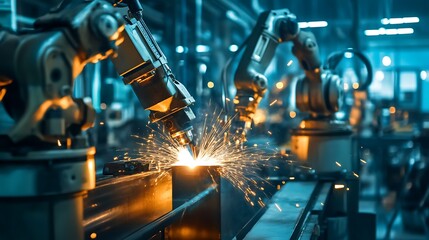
<point x="272" y="28"/>
<point x="39" y="67"/>
<point x="143" y="65"/>
<point x="317" y="92"/>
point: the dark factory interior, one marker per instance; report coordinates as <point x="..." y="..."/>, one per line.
<point x="214" y="119"/>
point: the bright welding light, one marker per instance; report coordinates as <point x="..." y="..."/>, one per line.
<point x="185" y="158"/>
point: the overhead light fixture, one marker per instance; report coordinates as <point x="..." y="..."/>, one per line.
<point x="423" y="75"/>
<point x="233" y="48"/>
<point x="348" y="54"/>
<point x="386" y="61"/>
<point x="387" y="21"/>
<point x="392" y="31"/>
<point x="314" y="24"/>
<point x="202" y="48"/>
<point x="180" y="49"/>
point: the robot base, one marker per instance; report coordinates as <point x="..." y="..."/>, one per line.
<point x="323" y="145"/>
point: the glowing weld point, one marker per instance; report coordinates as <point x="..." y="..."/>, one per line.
<point x="59" y="143"/>
<point x="273" y="102"/>
<point x="338" y="164"/>
<point x="339" y="186"/>
<point x="355" y="174"/>
<point x="363" y="161"/>
<point x="185" y="158"/>
<point x="278" y="207"/>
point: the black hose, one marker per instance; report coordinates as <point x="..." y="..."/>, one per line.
<point x="225" y="72"/>
<point x="335" y="58"/>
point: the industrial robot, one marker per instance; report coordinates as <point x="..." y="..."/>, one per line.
<point x="322" y="145"/>
<point x="47" y="162"/>
<point x="318" y="93"/>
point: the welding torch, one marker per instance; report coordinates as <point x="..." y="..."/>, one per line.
<point x="143" y="65"/>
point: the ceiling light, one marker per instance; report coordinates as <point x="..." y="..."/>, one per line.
<point x="386" y="61"/>
<point x="314" y="24"/>
<point x="393" y="31"/>
<point x="392" y="21"/>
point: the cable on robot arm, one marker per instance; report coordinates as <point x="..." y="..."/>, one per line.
<point x="335" y="58"/>
<point x="225" y="69"/>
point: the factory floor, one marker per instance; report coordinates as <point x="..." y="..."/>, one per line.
<point x="383" y="217"/>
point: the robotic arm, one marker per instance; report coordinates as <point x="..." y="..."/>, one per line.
<point x="42" y="65"/>
<point x="318" y="92"/>
<point x="272" y="28"/>
<point x="142" y="65"/>
<point x="39" y="68"/>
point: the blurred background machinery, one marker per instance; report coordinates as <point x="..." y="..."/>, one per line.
<point x="389" y="119"/>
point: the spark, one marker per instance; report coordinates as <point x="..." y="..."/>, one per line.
<point x="291" y="178"/>
<point x="339" y="186"/>
<point x="297" y="205"/>
<point x="355" y="174"/>
<point x="240" y="163"/>
<point x="59" y="143"/>
<point x="269" y="132"/>
<point x="363" y="161"/>
<point x="338" y="164"/>
<point x="289" y="63"/>
<point x="278" y="207"/>
<point x="273" y="102"/>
